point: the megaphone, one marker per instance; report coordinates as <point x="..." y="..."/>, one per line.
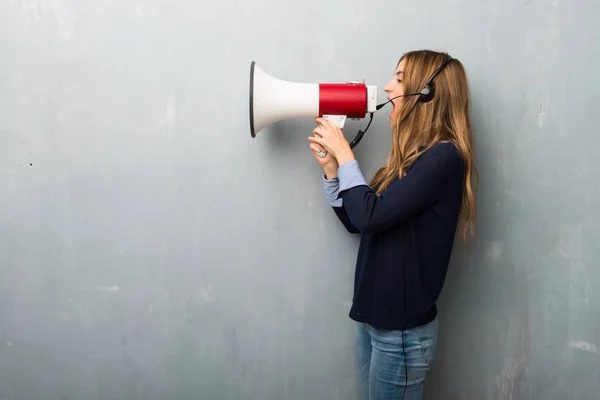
<point x="273" y="100"/>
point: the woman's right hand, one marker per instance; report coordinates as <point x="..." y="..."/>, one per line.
<point x="329" y="163"/>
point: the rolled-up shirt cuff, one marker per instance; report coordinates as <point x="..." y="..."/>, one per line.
<point x="331" y="187"/>
<point x="349" y="176"/>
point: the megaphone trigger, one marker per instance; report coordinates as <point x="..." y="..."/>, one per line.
<point x="337" y="120"/>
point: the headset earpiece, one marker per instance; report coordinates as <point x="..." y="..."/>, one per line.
<point x="428" y="92"/>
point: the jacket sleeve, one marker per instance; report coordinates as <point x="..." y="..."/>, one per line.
<point x="331" y="187"/>
<point x="425" y="183"/>
<point x="345" y="220"/>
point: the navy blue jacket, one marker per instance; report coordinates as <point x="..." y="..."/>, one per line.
<point x="407" y="235"/>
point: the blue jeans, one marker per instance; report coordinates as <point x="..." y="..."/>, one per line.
<point x="380" y="360"/>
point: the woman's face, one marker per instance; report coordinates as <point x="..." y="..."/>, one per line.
<point x="395" y="87"/>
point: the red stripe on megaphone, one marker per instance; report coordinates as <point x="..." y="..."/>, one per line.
<point x="349" y="99"/>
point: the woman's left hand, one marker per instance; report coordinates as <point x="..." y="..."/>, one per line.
<point x="332" y="139"/>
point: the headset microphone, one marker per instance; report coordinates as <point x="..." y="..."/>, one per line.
<point x="380" y="106"/>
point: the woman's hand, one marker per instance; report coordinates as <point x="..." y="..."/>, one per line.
<point x="332" y="139"/>
<point x="326" y="160"/>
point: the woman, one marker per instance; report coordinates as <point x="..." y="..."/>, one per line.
<point x="407" y="217"/>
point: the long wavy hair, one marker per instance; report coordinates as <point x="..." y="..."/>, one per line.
<point x="417" y="126"/>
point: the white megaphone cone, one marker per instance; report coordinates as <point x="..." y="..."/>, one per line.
<point x="273" y="100"/>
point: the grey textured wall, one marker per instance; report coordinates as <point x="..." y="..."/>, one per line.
<point x="150" y="249"/>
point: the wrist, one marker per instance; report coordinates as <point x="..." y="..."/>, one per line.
<point x="344" y="156"/>
<point x="331" y="172"/>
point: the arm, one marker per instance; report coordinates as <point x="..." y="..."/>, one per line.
<point x="343" y="217"/>
<point x="423" y="185"/>
<point x="331" y="187"/>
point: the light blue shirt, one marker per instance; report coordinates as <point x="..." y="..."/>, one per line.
<point x="349" y="175"/>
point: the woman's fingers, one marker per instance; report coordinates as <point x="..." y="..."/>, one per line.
<point x="315" y="147"/>
<point x="319" y="152"/>
<point x="328" y="129"/>
<point x="321" y="121"/>
<point x="325" y="123"/>
<point x="316" y="139"/>
<point x="320" y="141"/>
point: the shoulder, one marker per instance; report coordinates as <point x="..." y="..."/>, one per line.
<point x="443" y="155"/>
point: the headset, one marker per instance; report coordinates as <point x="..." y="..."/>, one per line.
<point x="425" y="95"/>
<point x="428" y="92"/>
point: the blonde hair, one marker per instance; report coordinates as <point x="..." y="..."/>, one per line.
<point x="416" y="126"/>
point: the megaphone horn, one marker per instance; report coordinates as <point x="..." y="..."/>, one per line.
<point x="273" y="100"/>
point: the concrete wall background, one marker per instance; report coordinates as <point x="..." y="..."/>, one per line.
<point x="150" y="249"/>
